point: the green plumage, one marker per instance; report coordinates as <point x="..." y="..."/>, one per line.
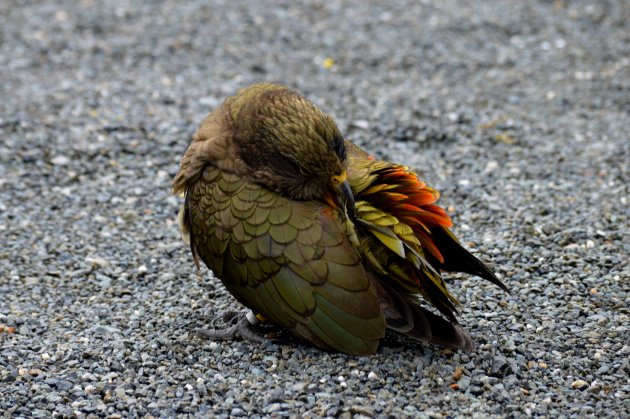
<point x="293" y="261"/>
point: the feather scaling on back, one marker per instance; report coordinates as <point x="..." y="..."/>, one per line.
<point x="311" y="232"/>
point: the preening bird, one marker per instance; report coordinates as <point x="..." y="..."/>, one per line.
<point x="312" y="233"/>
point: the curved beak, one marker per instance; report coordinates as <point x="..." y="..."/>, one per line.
<point x="345" y="197"/>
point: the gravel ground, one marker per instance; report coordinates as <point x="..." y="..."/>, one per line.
<point x="518" y="112"/>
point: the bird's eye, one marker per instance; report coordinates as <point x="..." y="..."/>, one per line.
<point x="339" y="147"/>
<point x="285" y="165"/>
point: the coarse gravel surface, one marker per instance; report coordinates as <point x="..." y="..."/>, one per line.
<point x="518" y="112"/>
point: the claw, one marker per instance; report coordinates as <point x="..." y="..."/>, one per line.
<point x="230" y="316"/>
<point x="242" y="328"/>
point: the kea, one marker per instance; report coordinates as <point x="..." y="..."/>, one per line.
<point x="312" y="233"/>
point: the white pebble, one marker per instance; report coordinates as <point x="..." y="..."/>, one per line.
<point x="491" y="166"/>
<point x="60" y="160"/>
<point x="361" y="123"/>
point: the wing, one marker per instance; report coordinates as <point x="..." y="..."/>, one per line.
<point x="406" y="237"/>
<point x="291" y="261"/>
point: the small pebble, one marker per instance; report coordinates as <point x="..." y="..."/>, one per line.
<point x="579" y="384"/>
<point x="60" y="160"/>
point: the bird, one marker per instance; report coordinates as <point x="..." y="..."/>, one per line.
<point x="312" y="233"/>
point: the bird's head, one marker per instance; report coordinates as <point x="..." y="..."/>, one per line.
<point x="289" y="145"/>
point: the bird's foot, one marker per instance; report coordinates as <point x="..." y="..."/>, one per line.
<point x="242" y="327"/>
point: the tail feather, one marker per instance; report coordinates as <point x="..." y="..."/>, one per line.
<point x="429" y="327"/>
<point x="407" y="317"/>
<point x="458" y="259"/>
